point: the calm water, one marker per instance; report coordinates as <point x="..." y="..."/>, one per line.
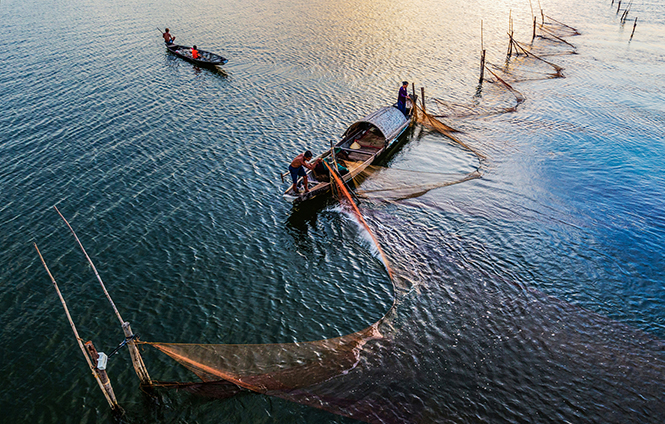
<point x="534" y="294"/>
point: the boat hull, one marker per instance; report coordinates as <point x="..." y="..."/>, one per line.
<point x="362" y="144"/>
<point x="207" y="58"/>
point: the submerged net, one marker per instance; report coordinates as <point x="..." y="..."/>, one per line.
<point x="270" y="367"/>
<point x="392" y="185"/>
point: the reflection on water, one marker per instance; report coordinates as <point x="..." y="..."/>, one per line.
<point x="531" y="294"/>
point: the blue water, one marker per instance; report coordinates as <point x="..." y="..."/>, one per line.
<point x="532" y="294"/>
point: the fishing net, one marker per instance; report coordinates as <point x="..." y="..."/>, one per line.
<point x="292" y="371"/>
<point x="524" y="62"/>
<point x="392" y="185"/>
<point x="269" y="367"/>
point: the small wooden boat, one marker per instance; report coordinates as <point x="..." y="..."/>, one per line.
<point x="362" y="143"/>
<point x="205" y="58"/>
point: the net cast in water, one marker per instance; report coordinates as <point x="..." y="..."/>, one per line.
<point x="285" y="370"/>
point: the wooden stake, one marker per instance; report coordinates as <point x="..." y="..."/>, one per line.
<point x="534" y="29"/>
<point x="414" y="106"/>
<point x="633" y="33"/>
<point x="137" y="360"/>
<point x="531" y="6"/>
<point x="510" y="34"/>
<point x="482" y="54"/>
<point x="103" y="376"/>
<point x="482" y="67"/>
<point x="422" y="93"/>
<point x="482" y="42"/>
<point x="618" y="7"/>
<point x="542" y="15"/>
<point x="110" y="397"/>
<point x="139" y="365"/>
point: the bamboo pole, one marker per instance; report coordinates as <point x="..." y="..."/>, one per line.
<point x="422" y="93"/>
<point x="482" y="54"/>
<point x="551" y="34"/>
<point x="531" y="6"/>
<point x="562" y="24"/>
<point x="482" y="67"/>
<point x="414" y="106"/>
<point x="103" y="376"/>
<point x="542" y="14"/>
<point x="510" y="34"/>
<point x="137" y="361"/>
<point x="110" y="397"/>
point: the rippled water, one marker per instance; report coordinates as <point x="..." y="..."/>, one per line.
<point x="533" y="294"/>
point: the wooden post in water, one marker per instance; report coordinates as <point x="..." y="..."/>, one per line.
<point x="633" y="33"/>
<point x="482" y="54"/>
<point x="510" y="34"/>
<point x="482" y="66"/>
<point x="534" y="29"/>
<point x="619" y="7"/>
<point x="137" y="361"/>
<point x="422" y="93"/>
<point x="414" y="106"/>
<point x="109" y="395"/>
<point x="103" y="376"/>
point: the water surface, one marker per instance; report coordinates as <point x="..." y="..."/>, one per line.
<point x="533" y="294"/>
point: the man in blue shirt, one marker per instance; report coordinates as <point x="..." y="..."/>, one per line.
<point x="401" y="98"/>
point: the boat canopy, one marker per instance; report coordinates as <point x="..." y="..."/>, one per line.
<point x="389" y="120"/>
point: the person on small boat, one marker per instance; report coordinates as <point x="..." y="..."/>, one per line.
<point x="402" y="96"/>
<point x="297" y="169"/>
<point x="195" y="52"/>
<point x="168" y="38"/>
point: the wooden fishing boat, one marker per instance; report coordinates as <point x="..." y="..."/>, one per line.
<point x="362" y="143"/>
<point x="205" y="58"/>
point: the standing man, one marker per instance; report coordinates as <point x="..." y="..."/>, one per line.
<point x="297" y="169"/>
<point x="168" y="38"/>
<point x="401" y="98"/>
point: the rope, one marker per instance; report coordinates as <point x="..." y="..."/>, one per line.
<point x="124" y="342"/>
